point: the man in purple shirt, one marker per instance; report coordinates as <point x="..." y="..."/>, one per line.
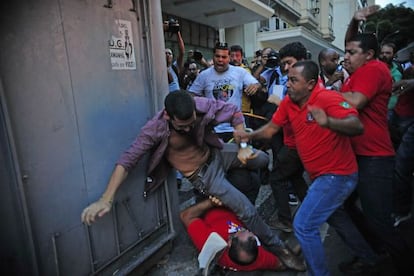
<point x="181" y="136"/>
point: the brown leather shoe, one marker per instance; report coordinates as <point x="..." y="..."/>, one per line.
<point x="289" y="259"/>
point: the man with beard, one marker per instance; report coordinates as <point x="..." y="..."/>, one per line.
<point x="181" y="137"/>
<point x="332" y="74"/>
<point x="387" y="54"/>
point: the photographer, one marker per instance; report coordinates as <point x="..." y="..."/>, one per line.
<point x="174" y="67"/>
<point x="198" y="57"/>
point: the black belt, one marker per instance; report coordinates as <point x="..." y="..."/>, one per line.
<point x="202" y="169"/>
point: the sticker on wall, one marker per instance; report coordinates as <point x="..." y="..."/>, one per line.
<point x="121" y="47"/>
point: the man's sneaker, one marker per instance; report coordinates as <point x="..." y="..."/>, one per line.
<point x="281" y="225"/>
<point x="400" y="218"/>
<point x="357" y="267"/>
<point x="293" y="200"/>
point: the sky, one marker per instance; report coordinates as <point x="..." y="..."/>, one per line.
<point x="383" y="3"/>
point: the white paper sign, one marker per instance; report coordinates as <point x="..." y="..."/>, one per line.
<point x="121" y="47"/>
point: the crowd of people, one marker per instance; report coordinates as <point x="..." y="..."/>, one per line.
<point x="347" y="126"/>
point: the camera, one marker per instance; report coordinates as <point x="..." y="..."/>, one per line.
<point x="272" y="59"/>
<point x="339" y="68"/>
<point x="172" y="25"/>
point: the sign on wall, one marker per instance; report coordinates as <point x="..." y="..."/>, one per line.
<point x="121" y="47"/>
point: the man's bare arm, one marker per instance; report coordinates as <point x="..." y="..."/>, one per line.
<point x="359" y="15"/>
<point x="191" y="213"/>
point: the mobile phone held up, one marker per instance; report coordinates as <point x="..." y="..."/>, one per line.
<point x="339" y="68"/>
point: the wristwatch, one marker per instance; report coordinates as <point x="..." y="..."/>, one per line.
<point x="243" y="145"/>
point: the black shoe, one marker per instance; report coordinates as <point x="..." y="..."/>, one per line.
<point x="293" y="200"/>
<point x="357" y="267"/>
<point x="282" y="225"/>
<point x="288" y="258"/>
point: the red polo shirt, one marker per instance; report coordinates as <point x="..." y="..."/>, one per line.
<point x="374" y="81"/>
<point x="321" y="150"/>
<point x="224" y="222"/>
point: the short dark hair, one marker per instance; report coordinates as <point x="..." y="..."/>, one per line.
<point x="249" y="246"/>
<point x="179" y="105"/>
<point x="391" y="45"/>
<point x="367" y="41"/>
<point x="310" y="69"/>
<point x="294" y="49"/>
<point x="221" y="46"/>
<point x="236" y="48"/>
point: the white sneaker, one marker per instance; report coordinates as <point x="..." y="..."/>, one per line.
<point x="293" y="200"/>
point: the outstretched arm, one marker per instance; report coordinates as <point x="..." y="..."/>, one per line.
<point x="188" y="215"/>
<point x="181" y="51"/>
<point x="265" y="132"/>
<point x="104" y="204"/>
<point x="360" y="15"/>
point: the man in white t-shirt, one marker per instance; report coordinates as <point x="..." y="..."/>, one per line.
<point x="224" y="82"/>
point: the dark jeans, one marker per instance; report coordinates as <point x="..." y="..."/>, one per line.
<point x="211" y="181"/>
<point x="403" y="173"/>
<point x="287" y="168"/>
<point x="375" y="192"/>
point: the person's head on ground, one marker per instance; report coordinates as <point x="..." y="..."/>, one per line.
<point x="290" y="54"/>
<point x="221" y="57"/>
<point x="388" y="51"/>
<point x="236" y="55"/>
<point x="180" y="111"/>
<point x="359" y="50"/>
<point x="302" y="78"/>
<point x="243" y="248"/>
<point x="328" y="61"/>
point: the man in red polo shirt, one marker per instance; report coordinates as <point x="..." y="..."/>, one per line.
<point x="368" y="89"/>
<point x="244" y="251"/>
<point x="321" y="121"/>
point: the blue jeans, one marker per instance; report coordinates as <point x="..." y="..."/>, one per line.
<point x="326" y="194"/>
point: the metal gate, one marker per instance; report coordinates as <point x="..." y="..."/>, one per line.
<point x="79" y="79"/>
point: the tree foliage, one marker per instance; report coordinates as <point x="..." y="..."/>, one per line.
<point x="393" y="24"/>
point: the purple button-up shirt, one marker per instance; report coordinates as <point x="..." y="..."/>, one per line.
<point x="154" y="135"/>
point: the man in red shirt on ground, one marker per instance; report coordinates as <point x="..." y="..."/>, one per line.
<point x="321" y="121"/>
<point x="243" y="252"/>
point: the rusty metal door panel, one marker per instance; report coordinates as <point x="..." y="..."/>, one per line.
<point x="71" y="116"/>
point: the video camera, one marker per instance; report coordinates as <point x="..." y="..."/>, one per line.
<point x="172" y="26"/>
<point x="272" y="59"/>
